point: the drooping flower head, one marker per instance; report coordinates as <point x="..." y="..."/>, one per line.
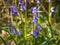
<point x="16" y="32"/>
<point x="23" y="6"/>
<point x="36" y="33"/>
<point x="34" y="10"/>
<point x="19" y="1"/>
<point x="13" y="10"/>
<point x="38" y="27"/>
<point x="35" y="19"/>
<point x="13" y="30"/>
<point x="10" y="25"/>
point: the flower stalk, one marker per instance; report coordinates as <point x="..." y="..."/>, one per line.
<point x="49" y="20"/>
<point x="49" y="9"/>
<point x="25" y="25"/>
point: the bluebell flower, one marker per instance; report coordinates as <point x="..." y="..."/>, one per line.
<point x="37" y="1"/>
<point x="36" y="33"/>
<point x="13" y="10"/>
<point x="34" y="10"/>
<point x="16" y="32"/>
<point x="35" y="19"/>
<point x="10" y="25"/>
<point x="19" y="1"/>
<point x="13" y="30"/>
<point x="23" y="7"/>
<point x="39" y="28"/>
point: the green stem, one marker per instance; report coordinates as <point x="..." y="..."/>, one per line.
<point x="49" y="22"/>
<point x="49" y="17"/>
<point x="25" y="25"/>
<point x="38" y="14"/>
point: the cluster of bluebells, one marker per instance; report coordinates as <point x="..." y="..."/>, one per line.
<point x="35" y="21"/>
<point x="13" y="30"/>
<point x="13" y="10"/>
<point x="34" y="12"/>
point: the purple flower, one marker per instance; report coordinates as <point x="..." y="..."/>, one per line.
<point x="19" y="1"/>
<point x="34" y="10"/>
<point x="49" y="0"/>
<point x="16" y="32"/>
<point x="13" y="10"/>
<point x="23" y="6"/>
<point x="13" y="30"/>
<point x="10" y="25"/>
<point x="35" y="19"/>
<point x="36" y="33"/>
<point x="37" y="1"/>
<point x="38" y="27"/>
